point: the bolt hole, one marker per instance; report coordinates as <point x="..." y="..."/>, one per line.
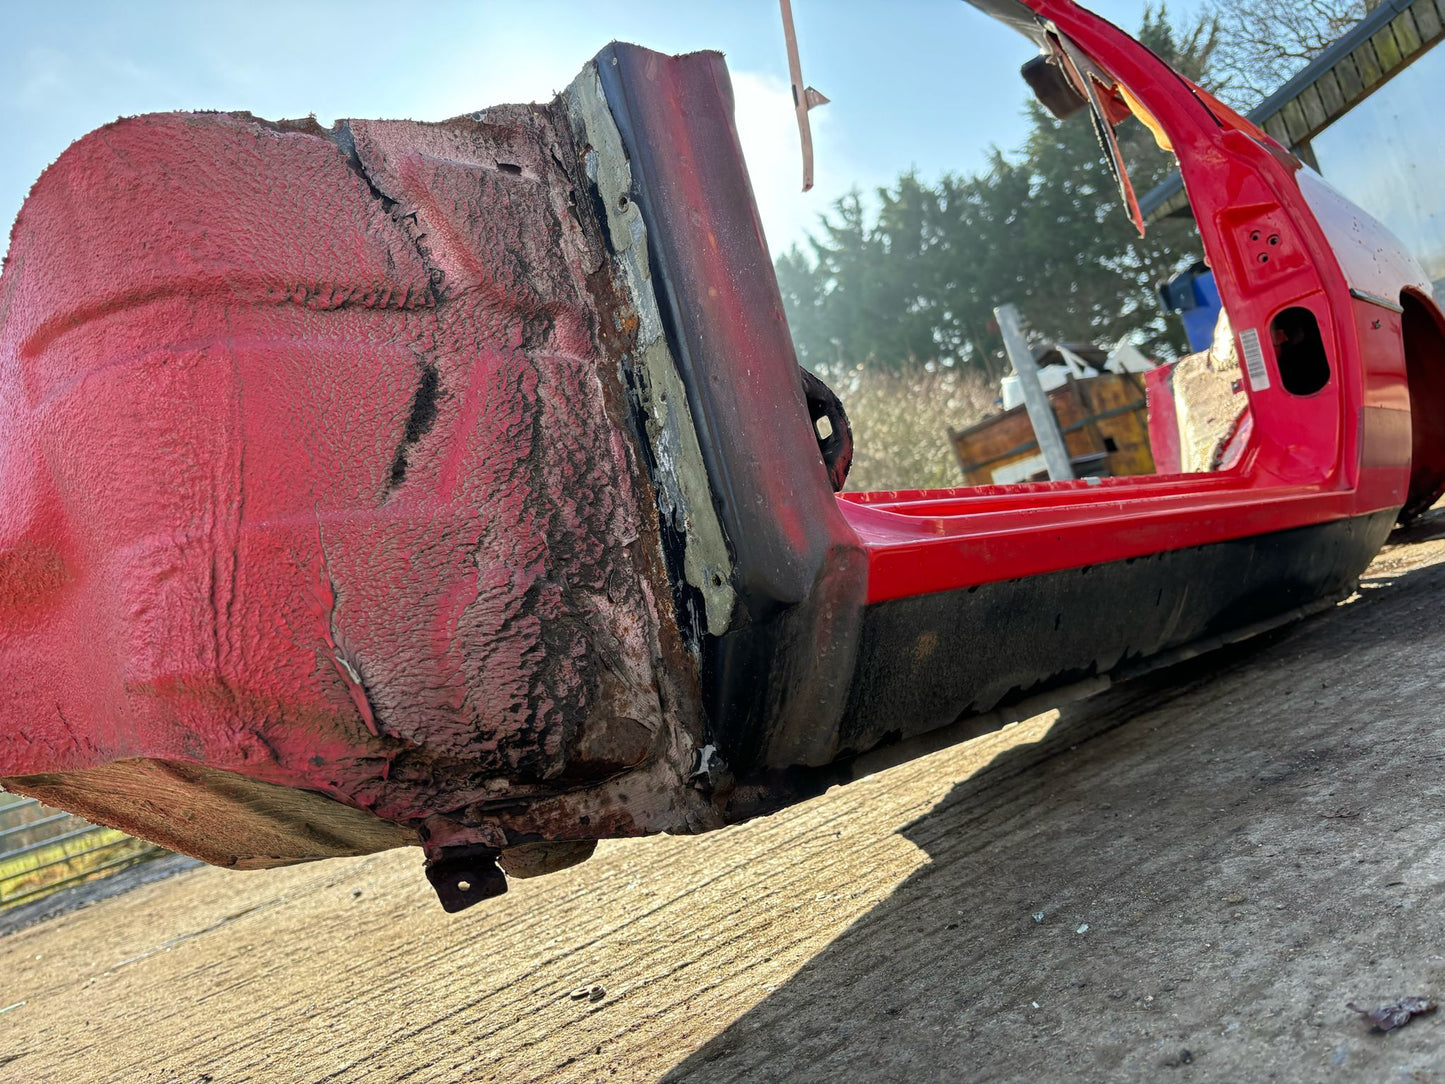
<point x="1274" y="238"/>
<point x="1264" y="257"/>
<point x="622" y="202"/>
<point x="717" y="580"/>
<point x="1254" y="235"/>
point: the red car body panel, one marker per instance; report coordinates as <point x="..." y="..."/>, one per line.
<point x="454" y="483"/>
<point x="1340" y="452"/>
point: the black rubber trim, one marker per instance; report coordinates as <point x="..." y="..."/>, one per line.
<point x="927" y="661"/>
<point x="775" y="682"/>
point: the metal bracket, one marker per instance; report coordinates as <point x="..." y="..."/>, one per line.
<point x="463" y="876"/>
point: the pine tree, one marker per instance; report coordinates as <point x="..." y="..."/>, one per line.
<point x="913" y="286"/>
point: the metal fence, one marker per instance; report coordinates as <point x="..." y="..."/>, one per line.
<point x="43" y="850"/>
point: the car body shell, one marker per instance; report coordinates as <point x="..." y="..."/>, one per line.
<point x="455" y="483"/>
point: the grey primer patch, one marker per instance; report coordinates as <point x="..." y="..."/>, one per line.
<point x="684" y="496"/>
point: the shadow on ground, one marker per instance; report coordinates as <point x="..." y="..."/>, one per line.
<point x="1244" y="844"/>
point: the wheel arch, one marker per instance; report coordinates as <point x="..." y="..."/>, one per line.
<point x="1422" y="328"/>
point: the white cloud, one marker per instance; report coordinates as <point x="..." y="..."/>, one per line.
<point x="768" y="131"/>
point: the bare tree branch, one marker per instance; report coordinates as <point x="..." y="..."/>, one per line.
<point x="1264" y="42"/>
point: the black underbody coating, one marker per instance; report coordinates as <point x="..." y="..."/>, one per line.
<point x="806" y="677"/>
<point x="774" y="683"/>
<point x="929" y="661"/>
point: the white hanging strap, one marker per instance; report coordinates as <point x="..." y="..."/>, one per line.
<point x="804" y="98"/>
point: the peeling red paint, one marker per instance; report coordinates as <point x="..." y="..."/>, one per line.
<point x="307" y="474"/>
<point x="327" y="517"/>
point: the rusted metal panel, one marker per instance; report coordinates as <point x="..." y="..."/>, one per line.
<point x="399" y="550"/>
<point x="456" y="483"/>
<point x="458" y="503"/>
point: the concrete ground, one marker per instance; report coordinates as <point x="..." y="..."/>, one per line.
<point x="1187" y="878"/>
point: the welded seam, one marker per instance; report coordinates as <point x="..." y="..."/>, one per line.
<point x="684" y="493"/>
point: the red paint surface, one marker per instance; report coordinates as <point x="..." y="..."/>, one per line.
<point x="1163" y="419"/>
<point x="1303" y="464"/>
<point x="228" y="536"/>
<point x="213" y="332"/>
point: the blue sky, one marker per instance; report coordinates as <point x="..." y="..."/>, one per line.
<point x="929" y="84"/>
